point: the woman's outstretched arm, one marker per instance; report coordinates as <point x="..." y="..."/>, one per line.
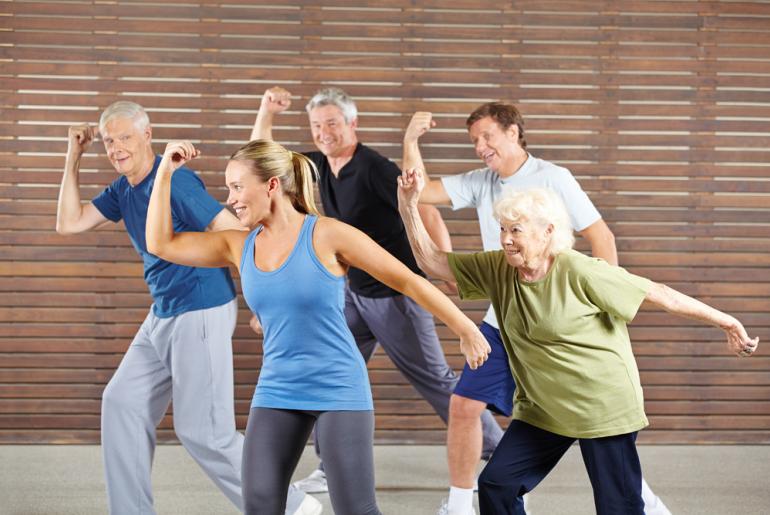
<point x="683" y="305"/>
<point x="356" y="249"/>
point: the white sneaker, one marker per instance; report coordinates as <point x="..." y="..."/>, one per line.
<point x="444" y="508"/>
<point x="315" y="483"/>
<point x="309" y="506"/>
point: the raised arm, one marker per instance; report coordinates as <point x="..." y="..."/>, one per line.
<point x="432" y="260"/>
<point x="72" y="216"/>
<point x="602" y="241"/>
<point x="274" y="101"/>
<point x="678" y="303"/>
<point x="356" y="249"/>
<point x="208" y="249"/>
<point x="422" y="122"/>
<point x="438" y="232"/>
<point x="434" y="224"/>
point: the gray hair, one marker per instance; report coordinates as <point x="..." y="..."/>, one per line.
<point x="541" y="206"/>
<point x="125" y="109"/>
<point x="334" y="97"/>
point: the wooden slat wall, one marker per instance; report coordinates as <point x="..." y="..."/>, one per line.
<point x="660" y="108"/>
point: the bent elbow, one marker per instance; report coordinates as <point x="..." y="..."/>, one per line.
<point x="155" y="248"/>
<point x="63" y="229"/>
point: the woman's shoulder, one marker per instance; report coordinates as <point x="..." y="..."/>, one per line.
<point x="331" y="228"/>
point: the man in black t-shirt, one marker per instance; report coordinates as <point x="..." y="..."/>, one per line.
<point x="358" y="186"/>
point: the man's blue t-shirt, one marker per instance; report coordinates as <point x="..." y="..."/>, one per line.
<point x="176" y="289"/>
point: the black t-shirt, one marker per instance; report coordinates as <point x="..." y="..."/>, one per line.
<point x="364" y="195"/>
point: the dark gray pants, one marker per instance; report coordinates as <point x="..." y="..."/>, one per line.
<point x="275" y="439"/>
<point x="408" y="336"/>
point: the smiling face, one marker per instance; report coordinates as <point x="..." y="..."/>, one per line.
<point x="248" y="196"/>
<point x="128" y="147"/>
<point x="332" y="135"/>
<point x="499" y="148"/>
<point x="525" y="243"/>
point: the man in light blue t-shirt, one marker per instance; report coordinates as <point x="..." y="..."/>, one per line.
<point x="183" y="350"/>
<point x="497" y="133"/>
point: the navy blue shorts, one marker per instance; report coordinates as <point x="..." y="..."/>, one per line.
<point x="492" y="382"/>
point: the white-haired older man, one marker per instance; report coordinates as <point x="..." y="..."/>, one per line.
<point x="183" y="350"/>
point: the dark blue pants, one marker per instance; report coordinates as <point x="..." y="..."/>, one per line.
<point x="526" y="454"/>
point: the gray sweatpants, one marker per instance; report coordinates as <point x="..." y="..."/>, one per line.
<point x="407" y="334"/>
<point x="187" y="358"/>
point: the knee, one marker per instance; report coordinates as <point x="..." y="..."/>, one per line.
<point x="463" y="408"/>
<point x="117" y="399"/>
<point x="257" y="499"/>
<point x="191" y="436"/>
<point x="492" y="478"/>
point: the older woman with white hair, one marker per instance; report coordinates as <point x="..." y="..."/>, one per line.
<point x="563" y="319"/>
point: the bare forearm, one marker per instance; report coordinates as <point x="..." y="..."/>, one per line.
<point x="434" y="224"/>
<point x="69" y="209"/>
<point x="263" y="126"/>
<point x="429" y="257"/>
<point x="160" y="227"/>
<point x="602" y="241"/>
<point x="412" y="157"/>
<point x="434" y="192"/>
<point x="605" y="248"/>
<point x="683" y="305"/>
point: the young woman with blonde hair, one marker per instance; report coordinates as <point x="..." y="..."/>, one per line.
<point x="293" y="264"/>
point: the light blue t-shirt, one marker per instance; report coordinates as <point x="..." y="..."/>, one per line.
<point x="175" y="289"/>
<point x="481" y="188"/>
<point x="310" y="360"/>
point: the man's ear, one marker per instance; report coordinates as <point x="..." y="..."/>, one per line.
<point x="513" y="132"/>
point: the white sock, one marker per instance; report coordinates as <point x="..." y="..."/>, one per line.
<point x="460" y="501"/>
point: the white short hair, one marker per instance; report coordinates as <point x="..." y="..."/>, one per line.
<point x="541" y="206"/>
<point x="125" y="109"/>
<point x="335" y="97"/>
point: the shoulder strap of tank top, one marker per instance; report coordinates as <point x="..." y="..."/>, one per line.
<point x="248" y="247"/>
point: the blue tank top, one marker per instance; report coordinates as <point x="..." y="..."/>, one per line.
<point x="311" y="361"/>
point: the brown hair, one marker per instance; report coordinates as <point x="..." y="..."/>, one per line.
<point x="268" y="159"/>
<point x="504" y="114"/>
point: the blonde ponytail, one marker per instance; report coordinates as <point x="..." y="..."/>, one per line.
<point x="303" y="197"/>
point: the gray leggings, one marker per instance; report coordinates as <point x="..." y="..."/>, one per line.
<point x="275" y="439"/>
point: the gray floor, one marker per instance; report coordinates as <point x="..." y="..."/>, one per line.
<point x="66" y="480"/>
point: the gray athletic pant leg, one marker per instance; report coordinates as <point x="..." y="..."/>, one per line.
<point x="187" y="357"/>
<point x="275" y="439"/>
<point x="407" y="334"/>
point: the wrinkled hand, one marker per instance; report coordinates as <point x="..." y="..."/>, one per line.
<point x="739" y="342"/>
<point x="475" y="348"/>
<point x="255" y="325"/>
<point x="410" y="186"/>
<point x="79" y="139"/>
<point x="421" y="122"/>
<point x="275" y="100"/>
<point x="178" y="153"/>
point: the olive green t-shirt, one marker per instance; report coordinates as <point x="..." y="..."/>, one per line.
<point x="566" y="339"/>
